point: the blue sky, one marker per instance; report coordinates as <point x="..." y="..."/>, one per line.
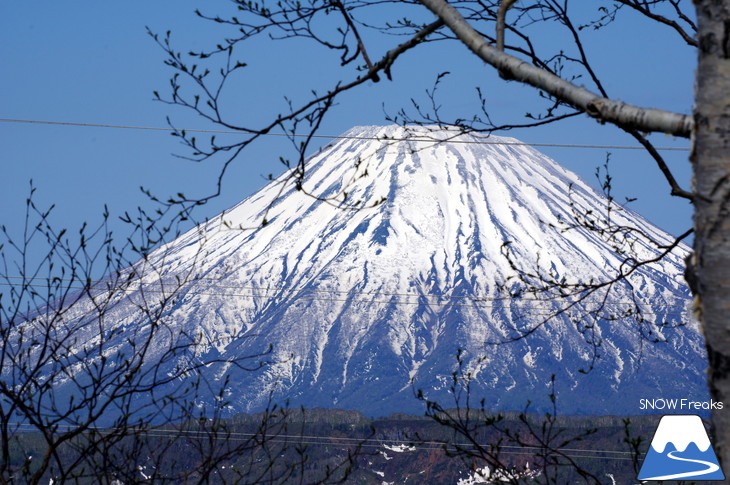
<point x="92" y="62"/>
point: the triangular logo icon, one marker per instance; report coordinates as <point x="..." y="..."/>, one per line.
<point x="681" y="450"/>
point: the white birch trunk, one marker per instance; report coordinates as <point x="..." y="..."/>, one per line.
<point x="711" y="161"/>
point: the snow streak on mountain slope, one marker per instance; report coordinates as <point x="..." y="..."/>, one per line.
<point x="358" y="304"/>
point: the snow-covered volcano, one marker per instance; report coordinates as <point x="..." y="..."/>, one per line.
<point x="364" y="306"/>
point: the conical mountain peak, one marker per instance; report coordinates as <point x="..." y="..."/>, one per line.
<point x="361" y="306"/>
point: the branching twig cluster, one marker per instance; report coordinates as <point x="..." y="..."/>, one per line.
<point x="586" y="301"/>
<point x="484" y="439"/>
<point x="97" y="384"/>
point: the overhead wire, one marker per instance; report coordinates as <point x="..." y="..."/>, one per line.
<point x="291" y="290"/>
<point x="342" y="137"/>
<point x="474" y="304"/>
<point x="363" y="442"/>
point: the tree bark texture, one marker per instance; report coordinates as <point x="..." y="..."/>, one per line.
<point x="711" y="164"/>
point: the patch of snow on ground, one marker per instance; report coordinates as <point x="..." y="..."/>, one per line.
<point x="486" y="476"/>
<point x="399" y="448"/>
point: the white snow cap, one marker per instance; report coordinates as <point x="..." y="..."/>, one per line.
<point x="680" y="430"/>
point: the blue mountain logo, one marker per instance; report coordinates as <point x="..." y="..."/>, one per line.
<point x="681" y="450"/>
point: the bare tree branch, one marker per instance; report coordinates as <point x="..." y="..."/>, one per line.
<point x="645" y="9"/>
<point x="501" y="14"/>
<point x="603" y="109"/>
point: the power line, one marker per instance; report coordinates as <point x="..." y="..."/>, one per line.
<point x="363" y="442"/>
<point x="344" y="137"/>
<point x="267" y="290"/>
<point x="305" y="298"/>
<point x="520" y="312"/>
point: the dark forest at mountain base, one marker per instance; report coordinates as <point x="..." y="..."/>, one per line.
<point x="395" y="449"/>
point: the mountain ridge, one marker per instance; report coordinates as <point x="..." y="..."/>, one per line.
<point x="365" y="306"/>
